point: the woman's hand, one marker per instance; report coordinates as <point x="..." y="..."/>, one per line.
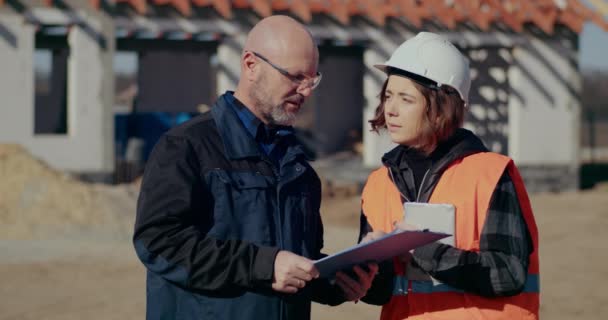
<point x="404" y="226"/>
<point x="373" y="235"/>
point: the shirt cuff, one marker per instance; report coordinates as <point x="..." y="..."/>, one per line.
<point x="425" y="255"/>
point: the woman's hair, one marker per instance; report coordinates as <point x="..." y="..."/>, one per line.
<point x="444" y="114"/>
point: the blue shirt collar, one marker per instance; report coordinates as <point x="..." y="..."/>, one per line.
<point x="256" y="128"/>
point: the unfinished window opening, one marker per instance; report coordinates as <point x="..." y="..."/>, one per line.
<point x="50" y="85"/>
<point x="125" y="80"/>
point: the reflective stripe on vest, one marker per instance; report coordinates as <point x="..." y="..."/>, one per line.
<point x="400" y="286"/>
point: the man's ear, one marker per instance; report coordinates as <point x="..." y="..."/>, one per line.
<point x="249" y="65"/>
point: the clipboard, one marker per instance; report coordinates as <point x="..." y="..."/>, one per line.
<point x="384" y="248"/>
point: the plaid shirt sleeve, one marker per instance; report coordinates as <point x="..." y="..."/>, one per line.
<point x="500" y="267"/>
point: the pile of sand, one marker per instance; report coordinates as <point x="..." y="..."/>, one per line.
<point x="39" y="202"/>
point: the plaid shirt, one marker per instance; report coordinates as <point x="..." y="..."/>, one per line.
<point x="501" y="265"/>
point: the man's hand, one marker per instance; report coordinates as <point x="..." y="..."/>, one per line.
<point x="292" y="272"/>
<point x="354" y="290"/>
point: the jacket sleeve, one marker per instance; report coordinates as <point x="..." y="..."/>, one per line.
<point x="168" y="242"/>
<point x="500" y="267"/>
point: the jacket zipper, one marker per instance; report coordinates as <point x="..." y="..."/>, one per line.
<point x="390" y="170"/>
<point x="277" y="177"/>
<point x="409" y="282"/>
<point x="422" y="185"/>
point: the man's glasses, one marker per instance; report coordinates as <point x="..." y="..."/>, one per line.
<point x="302" y="81"/>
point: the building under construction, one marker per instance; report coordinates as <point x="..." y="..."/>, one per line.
<point x="68" y="99"/>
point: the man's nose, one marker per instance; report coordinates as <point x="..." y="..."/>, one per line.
<point x="306" y="91"/>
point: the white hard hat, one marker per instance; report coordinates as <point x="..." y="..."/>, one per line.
<point x="433" y="57"/>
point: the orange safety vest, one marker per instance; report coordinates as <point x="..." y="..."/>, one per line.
<point x="468" y="184"/>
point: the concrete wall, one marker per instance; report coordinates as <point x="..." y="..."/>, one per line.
<point x="88" y="146"/>
<point x="544" y="113"/>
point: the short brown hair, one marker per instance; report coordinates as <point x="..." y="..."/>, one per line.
<point x="444" y="114"/>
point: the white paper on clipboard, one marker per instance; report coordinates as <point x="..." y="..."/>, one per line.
<point x="386" y="247"/>
<point x="433" y="217"/>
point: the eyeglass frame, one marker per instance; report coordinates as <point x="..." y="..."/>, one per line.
<point x="292" y="77"/>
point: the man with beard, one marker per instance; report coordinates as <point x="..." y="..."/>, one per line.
<point x="228" y="222"/>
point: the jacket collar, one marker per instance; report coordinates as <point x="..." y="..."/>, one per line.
<point x="237" y="141"/>
<point x="461" y="144"/>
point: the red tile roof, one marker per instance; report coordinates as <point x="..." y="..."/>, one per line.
<point x="545" y="14"/>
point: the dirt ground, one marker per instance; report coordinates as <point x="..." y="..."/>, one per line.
<point x="67" y="267"/>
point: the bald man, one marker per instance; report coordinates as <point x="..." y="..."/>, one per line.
<point x="228" y="222"/>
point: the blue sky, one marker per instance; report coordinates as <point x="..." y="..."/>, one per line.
<point x="593" y="48"/>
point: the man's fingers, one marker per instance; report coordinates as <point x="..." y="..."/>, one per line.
<point x="289" y="289"/>
<point x="292" y="272"/>
<point x="300" y="274"/>
<point x="308" y="267"/>
<point x="296" y="283"/>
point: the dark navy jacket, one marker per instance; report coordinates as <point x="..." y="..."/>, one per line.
<point x="212" y="214"/>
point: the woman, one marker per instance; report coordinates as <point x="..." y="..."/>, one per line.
<point x="491" y="270"/>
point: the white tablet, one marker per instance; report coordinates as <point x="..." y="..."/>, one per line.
<point x="434" y="217"/>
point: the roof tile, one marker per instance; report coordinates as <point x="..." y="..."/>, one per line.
<point x="545" y="14"/>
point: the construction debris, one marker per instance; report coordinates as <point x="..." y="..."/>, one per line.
<point x="39" y="202"/>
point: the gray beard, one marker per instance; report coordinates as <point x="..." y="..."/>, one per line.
<point x="279" y="116"/>
<point x="274" y="115"/>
